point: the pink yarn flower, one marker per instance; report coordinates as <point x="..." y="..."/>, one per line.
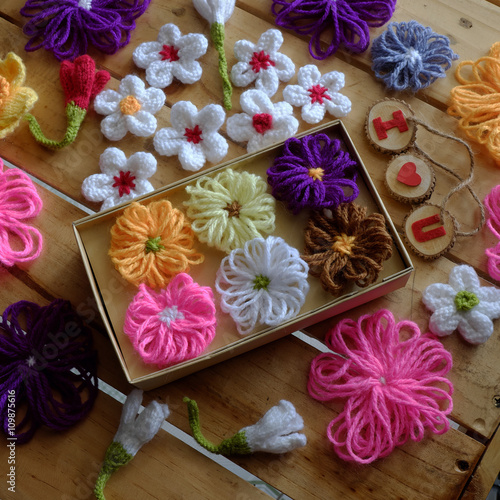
<point x="393" y="389"/>
<point x="172" y="325"/>
<point x="19" y="200"/>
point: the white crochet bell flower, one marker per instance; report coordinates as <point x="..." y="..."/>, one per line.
<point x="262" y="63"/>
<point x="464" y="305"/>
<point x="131" y="109"/>
<point x="265" y="282"/>
<point x="262" y="123"/>
<point x="121" y="180"/>
<point x="194" y="135"/>
<point x="317" y="94"/>
<point x="172" y="55"/>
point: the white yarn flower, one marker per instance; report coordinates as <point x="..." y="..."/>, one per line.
<point x="317" y="94"/>
<point x="172" y="55"/>
<point x="131" y="109"/>
<point x="215" y="11"/>
<point x="277" y="431"/>
<point x="265" y="282"/>
<point x="262" y="123"/>
<point x="464" y="305"/>
<point x="193" y="136"/>
<point x="262" y="62"/>
<point x="121" y="180"/>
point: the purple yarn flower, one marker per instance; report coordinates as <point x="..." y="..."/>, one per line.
<point x="312" y="172"/>
<point x="68" y="27"/>
<point x="48" y="368"/>
<point x="344" y="22"/>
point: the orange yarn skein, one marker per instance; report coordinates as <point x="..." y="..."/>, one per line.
<point x="151" y="244"/>
<point x="477" y="101"/>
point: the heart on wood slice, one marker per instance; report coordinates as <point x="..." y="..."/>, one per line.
<point x="408" y="174"/>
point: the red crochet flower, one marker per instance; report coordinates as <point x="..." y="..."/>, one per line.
<point x="393" y="388"/>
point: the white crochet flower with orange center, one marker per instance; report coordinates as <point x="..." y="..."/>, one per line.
<point x="171" y="56"/>
<point x="262" y="63"/>
<point x="130" y="109"/>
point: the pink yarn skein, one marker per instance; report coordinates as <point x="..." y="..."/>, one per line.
<point x="19" y="200"/>
<point x="492" y="202"/>
<point x="172" y="325"/>
<point x="393" y="389"/>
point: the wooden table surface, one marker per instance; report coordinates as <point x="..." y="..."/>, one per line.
<point x="462" y="463"/>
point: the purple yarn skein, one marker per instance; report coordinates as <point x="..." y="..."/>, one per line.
<point x="68" y="27"/>
<point x="344" y="22"/>
<point x="49" y="370"/>
<point x="313" y="172"/>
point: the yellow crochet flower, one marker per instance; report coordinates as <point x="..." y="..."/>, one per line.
<point x="15" y="100"/>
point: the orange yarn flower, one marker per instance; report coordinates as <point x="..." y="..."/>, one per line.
<point x="151" y="244"/>
<point x="477" y="101"/>
<point x="15" y="100"/>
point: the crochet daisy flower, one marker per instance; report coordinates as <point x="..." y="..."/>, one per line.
<point x="121" y="180"/>
<point x="262" y="63"/>
<point x="462" y="305"/>
<point x="347" y="247"/>
<point x="15" y="100"/>
<point x="229" y="209"/>
<point x="313" y="172"/>
<point x="263" y="283"/>
<point x="172" y="325"/>
<point x="194" y="135"/>
<point x="262" y="123"/>
<point x="317" y="94"/>
<point x="68" y="27"/>
<point x="172" y="55"/>
<point x="131" y="109"/>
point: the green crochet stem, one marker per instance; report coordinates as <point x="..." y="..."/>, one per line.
<point x="115" y="457"/>
<point x="236" y="445"/>
<point x="75" y="116"/>
<point x="217" y="34"/>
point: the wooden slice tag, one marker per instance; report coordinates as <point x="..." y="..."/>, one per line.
<point x="409" y="178"/>
<point x="426" y="234"/>
<point x="387" y="127"/>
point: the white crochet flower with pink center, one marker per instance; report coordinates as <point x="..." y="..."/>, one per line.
<point x="317" y="94"/>
<point x="262" y="63"/>
<point x="121" y="180"/>
<point x="194" y="135"/>
<point x="262" y="123"/>
<point x="130" y="109"/>
<point x="171" y="56"/>
<point x="462" y="305"/>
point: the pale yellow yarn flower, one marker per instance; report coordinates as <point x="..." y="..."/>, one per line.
<point x="15" y="100"/>
<point x="230" y="209"/>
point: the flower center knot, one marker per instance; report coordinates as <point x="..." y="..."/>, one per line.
<point x="233" y="209"/>
<point x="124" y="183"/>
<point x="85" y="4"/>
<point x="316" y="173"/>
<point x="343" y="244"/>
<point x="154" y="245"/>
<point x="465" y="301"/>
<point x="193" y="134"/>
<point x="260" y="60"/>
<point x="261" y="282"/>
<point x="170" y="314"/>
<point x="262" y="122"/>
<point x="169" y="53"/>
<point x="317" y="93"/>
<point x="129" y="105"/>
<point x="4" y="89"/>
<point x="413" y="55"/>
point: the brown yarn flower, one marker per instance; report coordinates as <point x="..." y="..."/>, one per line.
<point x="349" y="246"/>
<point x="151" y="244"/>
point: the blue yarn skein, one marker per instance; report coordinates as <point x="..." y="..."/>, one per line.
<point x="409" y="55"/>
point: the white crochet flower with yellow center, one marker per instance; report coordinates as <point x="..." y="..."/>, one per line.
<point x="171" y="56"/>
<point x="263" y="283"/>
<point x="229" y="209"/>
<point x="130" y="109"/>
<point x="262" y="63"/>
<point x="464" y="305"/>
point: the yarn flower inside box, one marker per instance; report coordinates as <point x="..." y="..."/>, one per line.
<point x="278" y="225"/>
